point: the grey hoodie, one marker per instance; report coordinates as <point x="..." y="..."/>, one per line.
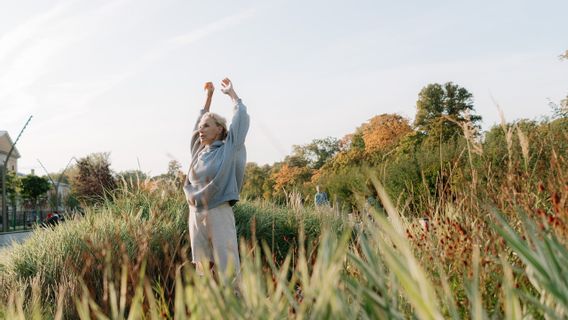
<point x="216" y="172"/>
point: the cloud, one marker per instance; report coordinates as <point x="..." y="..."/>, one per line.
<point x="159" y="51"/>
<point x="26" y="31"/>
<point x="27" y="51"/>
<point x="214" y="27"/>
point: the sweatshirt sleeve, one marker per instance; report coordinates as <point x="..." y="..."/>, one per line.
<point x="195" y="146"/>
<point x="195" y="143"/>
<point x="238" y="129"/>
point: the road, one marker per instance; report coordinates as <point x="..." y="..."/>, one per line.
<point x="7" y="238"/>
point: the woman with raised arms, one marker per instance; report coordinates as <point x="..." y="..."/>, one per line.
<point x="213" y="183"/>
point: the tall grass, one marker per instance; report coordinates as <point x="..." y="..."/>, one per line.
<point x="377" y="275"/>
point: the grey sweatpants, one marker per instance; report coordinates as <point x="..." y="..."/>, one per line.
<point x="213" y="237"/>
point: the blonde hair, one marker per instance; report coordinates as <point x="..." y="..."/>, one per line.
<point x="219" y="120"/>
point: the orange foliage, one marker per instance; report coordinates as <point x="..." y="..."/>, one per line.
<point x="384" y="131"/>
<point x="289" y="176"/>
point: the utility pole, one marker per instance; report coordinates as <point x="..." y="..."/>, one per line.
<point x="56" y="185"/>
<point x="4" y="170"/>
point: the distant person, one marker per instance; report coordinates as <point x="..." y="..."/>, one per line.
<point x="372" y="204"/>
<point x="213" y="183"/>
<point x="320" y="198"/>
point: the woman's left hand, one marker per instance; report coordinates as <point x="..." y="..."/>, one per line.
<point x="227" y="88"/>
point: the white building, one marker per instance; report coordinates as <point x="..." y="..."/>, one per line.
<point x="5" y="145"/>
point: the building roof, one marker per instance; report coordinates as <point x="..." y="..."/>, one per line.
<point x="6" y="143"/>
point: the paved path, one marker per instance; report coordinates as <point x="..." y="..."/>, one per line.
<point x="7" y="238"/>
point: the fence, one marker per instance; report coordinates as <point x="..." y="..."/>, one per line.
<point x="24" y="219"/>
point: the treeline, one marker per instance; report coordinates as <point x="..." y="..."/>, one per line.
<point x="441" y="154"/>
<point x="89" y="181"/>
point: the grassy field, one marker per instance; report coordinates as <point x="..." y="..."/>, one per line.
<point x="480" y="256"/>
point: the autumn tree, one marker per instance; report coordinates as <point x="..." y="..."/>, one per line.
<point x="296" y="171"/>
<point x="94" y="179"/>
<point x="383" y="132"/>
<point x="441" y="109"/>
<point x="290" y="178"/>
<point x="369" y="142"/>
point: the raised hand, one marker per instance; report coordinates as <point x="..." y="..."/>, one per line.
<point x="227" y="88"/>
<point x="209" y="88"/>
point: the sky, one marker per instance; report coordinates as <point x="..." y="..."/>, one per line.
<point x="126" y="76"/>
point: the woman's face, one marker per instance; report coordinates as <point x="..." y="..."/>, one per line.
<point x="209" y="131"/>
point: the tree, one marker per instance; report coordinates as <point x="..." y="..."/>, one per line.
<point x="559" y="110"/>
<point x="257" y="183"/>
<point x="289" y="178"/>
<point x="342" y="185"/>
<point x="174" y="175"/>
<point x="13" y="186"/>
<point x="383" y="132"/>
<point x="132" y="175"/>
<point x="94" y="179"/>
<point x="353" y="141"/>
<point x="34" y="187"/>
<point x="442" y="109"/>
<point x="321" y="150"/>
<point x="174" y="170"/>
<point x="297" y="158"/>
<point x="314" y="154"/>
<point x="562" y="109"/>
<point x="131" y="179"/>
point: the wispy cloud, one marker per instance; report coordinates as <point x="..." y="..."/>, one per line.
<point x="161" y="50"/>
<point x="29" y="29"/>
<point x="214" y="27"/>
<point x="27" y="51"/>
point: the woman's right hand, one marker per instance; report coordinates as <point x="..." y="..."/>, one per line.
<point x="209" y="88"/>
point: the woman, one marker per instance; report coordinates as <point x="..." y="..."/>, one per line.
<point x="213" y="183"/>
